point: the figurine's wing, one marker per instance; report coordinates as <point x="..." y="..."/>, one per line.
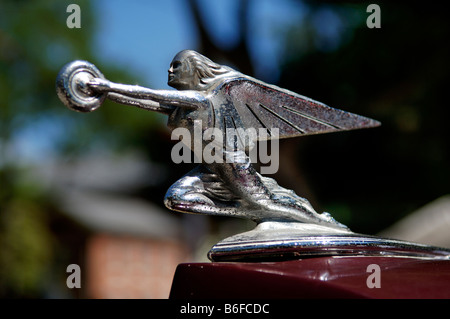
<point x="249" y="103"/>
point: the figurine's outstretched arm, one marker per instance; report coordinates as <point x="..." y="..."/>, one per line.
<point x="169" y="98"/>
<point x="83" y="88"/>
<point x="141" y="103"/>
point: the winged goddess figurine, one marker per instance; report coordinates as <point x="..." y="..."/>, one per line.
<point x="220" y="98"/>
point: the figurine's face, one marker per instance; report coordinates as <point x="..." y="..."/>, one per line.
<point x="182" y="75"/>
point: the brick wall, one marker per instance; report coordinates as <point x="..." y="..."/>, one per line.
<point x="129" y="267"/>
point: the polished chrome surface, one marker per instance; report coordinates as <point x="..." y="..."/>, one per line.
<point x="73" y="89"/>
<point x="219" y="97"/>
<point x="271" y="241"/>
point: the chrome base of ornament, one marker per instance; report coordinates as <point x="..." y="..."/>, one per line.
<point x="271" y="241"/>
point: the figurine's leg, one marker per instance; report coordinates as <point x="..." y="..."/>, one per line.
<point x="201" y="192"/>
<point x="289" y="198"/>
<point x="236" y="189"/>
<point x="262" y="199"/>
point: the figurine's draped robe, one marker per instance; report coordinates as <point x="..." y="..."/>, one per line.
<point x="241" y="103"/>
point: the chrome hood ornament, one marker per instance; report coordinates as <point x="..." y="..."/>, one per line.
<point x="232" y="112"/>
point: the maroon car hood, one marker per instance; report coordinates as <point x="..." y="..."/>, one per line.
<point x="319" y="277"/>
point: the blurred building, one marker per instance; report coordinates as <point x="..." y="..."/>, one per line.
<point x="132" y="248"/>
<point x="126" y="246"/>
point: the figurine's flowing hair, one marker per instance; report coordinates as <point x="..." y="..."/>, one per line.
<point x="207" y="71"/>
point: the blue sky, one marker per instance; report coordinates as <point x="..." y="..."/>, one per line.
<point x="145" y="35"/>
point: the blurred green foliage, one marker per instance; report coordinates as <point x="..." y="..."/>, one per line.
<point x="27" y="248"/>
